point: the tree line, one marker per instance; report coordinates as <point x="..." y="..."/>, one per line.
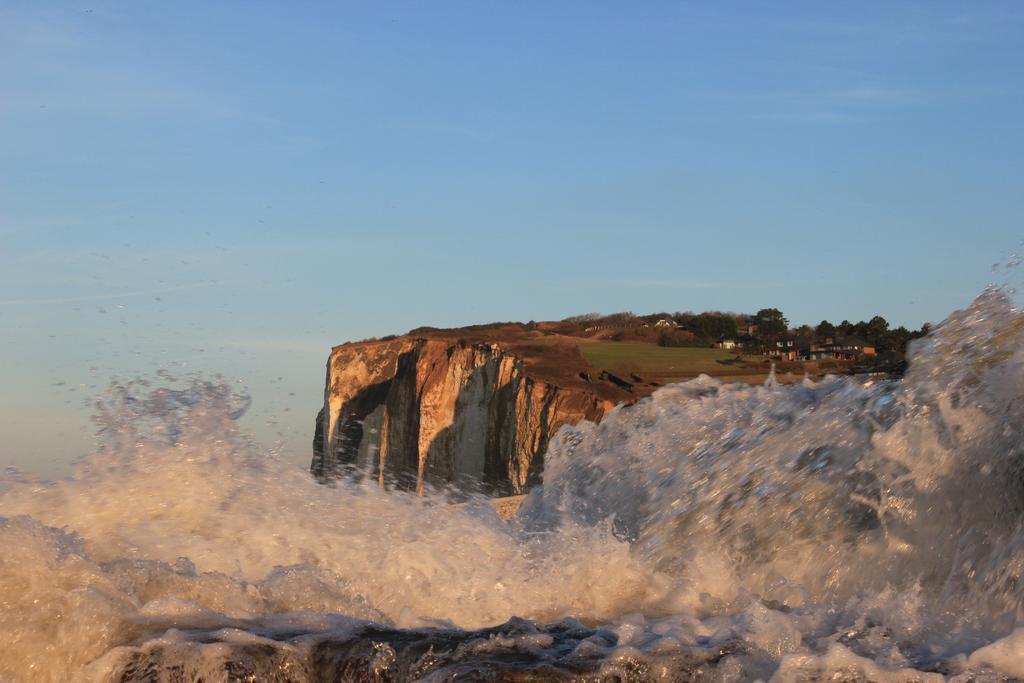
<point x="763" y="328"/>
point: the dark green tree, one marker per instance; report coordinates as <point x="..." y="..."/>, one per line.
<point x="771" y="324"/>
<point x="805" y="332"/>
<point x="711" y="327"/>
<point x="876" y="329"/>
<point x="825" y="330"/>
<point x="894" y="340"/>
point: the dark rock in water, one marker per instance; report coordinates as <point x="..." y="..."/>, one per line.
<point x="518" y="650"/>
<point x="181" y="662"/>
<point x="502" y="653"/>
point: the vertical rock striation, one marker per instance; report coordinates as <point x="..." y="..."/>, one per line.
<point x="415" y="412"/>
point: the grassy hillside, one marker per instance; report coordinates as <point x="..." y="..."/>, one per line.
<point x="659" y="361"/>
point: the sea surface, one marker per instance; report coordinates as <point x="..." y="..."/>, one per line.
<point x="843" y="530"/>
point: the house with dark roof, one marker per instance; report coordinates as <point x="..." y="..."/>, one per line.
<point x="784" y="348"/>
<point x="840" y="348"/>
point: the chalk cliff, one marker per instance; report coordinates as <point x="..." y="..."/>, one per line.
<point x="442" y="410"/>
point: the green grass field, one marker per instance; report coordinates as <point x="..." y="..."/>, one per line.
<point x="659" y="361"/>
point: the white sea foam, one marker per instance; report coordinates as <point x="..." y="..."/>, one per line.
<point x="847" y="527"/>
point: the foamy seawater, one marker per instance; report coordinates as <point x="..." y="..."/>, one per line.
<point x="840" y="530"/>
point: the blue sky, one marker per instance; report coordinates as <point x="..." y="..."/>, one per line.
<point x="234" y="187"/>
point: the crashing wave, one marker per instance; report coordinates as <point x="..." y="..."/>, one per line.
<point x="841" y="529"/>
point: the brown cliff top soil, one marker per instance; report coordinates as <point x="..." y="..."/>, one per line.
<point x="613" y="371"/>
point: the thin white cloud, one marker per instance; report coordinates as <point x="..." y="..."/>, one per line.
<point x="876" y="95"/>
<point x="62" y="70"/>
<point x="689" y="284"/>
<point x="104" y="297"/>
<point x="265" y="344"/>
<point x="847" y="104"/>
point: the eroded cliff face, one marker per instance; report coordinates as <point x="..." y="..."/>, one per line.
<point x="417" y="412"/>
